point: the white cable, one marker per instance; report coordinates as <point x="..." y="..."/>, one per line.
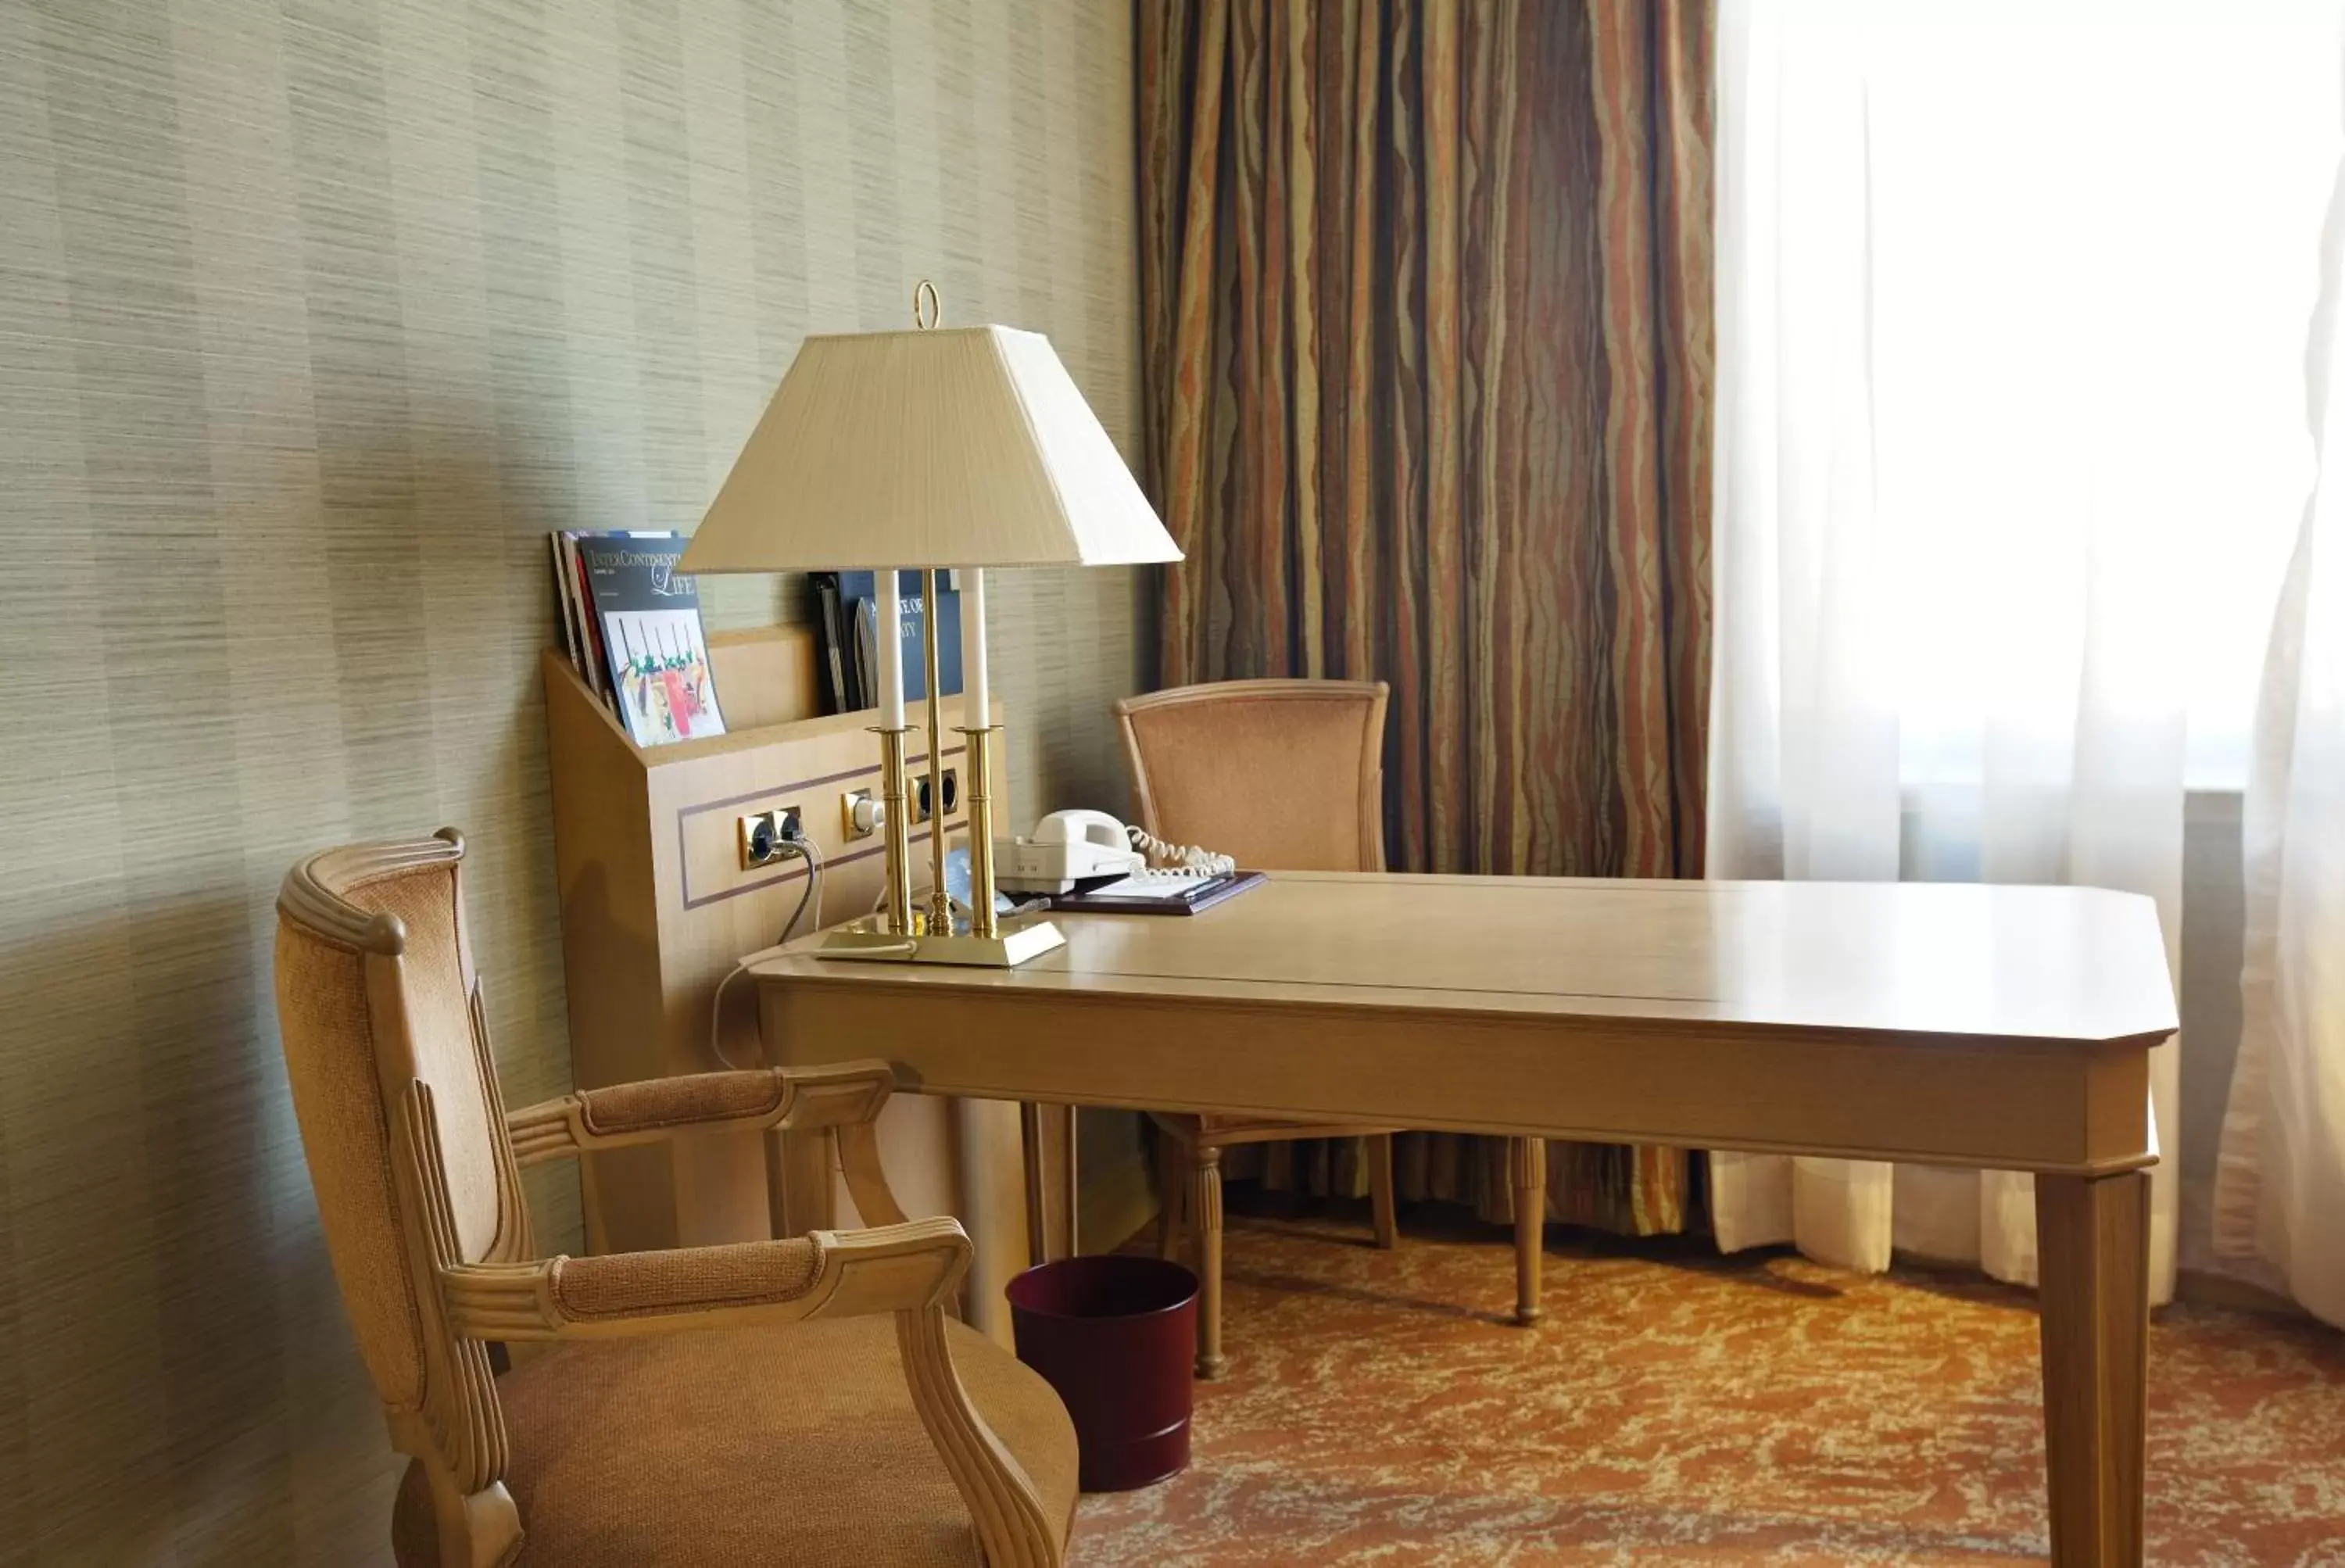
<point x="1186" y="857"/>
<point x="716" y="1016"/>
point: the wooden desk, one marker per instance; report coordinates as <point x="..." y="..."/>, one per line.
<point x="1986" y="1026"/>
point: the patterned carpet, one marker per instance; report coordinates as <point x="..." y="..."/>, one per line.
<point x="1678" y="1408"/>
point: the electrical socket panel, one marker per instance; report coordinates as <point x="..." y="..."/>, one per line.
<point x="764" y="836"/>
<point x="919" y="801"/>
<point x="859" y="820"/>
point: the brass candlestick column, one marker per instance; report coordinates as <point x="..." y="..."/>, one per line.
<point x="893" y="828"/>
<point x="983" y="921"/>
<point x="986" y="941"/>
<point x="940" y="920"/>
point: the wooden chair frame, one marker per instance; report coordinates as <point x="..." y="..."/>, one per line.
<point x="1370" y="695"/>
<point x="1190" y="1152"/>
<point x="910" y="1268"/>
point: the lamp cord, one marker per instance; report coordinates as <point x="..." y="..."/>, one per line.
<point x="812" y="888"/>
<point x="813" y="857"/>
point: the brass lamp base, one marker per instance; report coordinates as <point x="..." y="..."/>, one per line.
<point x="983" y="940"/>
<point x="870" y="942"/>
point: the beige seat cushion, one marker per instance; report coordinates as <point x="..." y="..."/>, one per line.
<point x="796" y="1444"/>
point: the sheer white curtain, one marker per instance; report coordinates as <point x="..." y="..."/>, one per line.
<point x="2279" y="1186"/>
<point x="2010" y="315"/>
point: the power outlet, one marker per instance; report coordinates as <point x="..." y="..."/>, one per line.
<point x="920" y="802"/>
<point x="860" y="814"/>
<point x="764" y="836"/>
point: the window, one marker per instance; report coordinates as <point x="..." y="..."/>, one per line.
<point x="2089" y="238"/>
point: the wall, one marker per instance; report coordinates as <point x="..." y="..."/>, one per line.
<point x="314" y="317"/>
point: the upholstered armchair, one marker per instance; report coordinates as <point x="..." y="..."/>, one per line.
<point x="1284" y="775"/>
<point x="806" y="1400"/>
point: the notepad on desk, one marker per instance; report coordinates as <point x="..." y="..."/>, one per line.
<point x="1158" y="892"/>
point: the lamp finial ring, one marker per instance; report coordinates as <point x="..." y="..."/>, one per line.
<point x="926" y="309"/>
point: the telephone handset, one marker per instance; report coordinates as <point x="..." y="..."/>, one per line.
<point x="1071" y="847"/>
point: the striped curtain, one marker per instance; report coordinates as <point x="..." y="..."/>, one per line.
<point x="1426" y="344"/>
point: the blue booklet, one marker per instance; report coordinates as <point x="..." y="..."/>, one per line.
<point x="858" y="601"/>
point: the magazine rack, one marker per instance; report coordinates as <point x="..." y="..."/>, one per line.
<point x="657" y="908"/>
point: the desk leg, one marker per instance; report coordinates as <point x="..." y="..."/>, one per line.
<point x="1169" y="1180"/>
<point x="2093" y="1247"/>
<point x="1037" y="1234"/>
<point x="1204" y="1223"/>
<point x="1527" y="1160"/>
<point x="1382" y="1200"/>
<point x="1068" y="1184"/>
<point x="798" y="1187"/>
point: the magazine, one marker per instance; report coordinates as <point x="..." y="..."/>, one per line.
<point x="645" y="622"/>
<point x="578" y="614"/>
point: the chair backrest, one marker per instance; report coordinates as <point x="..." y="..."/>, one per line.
<point x="375" y="989"/>
<point x="1284" y="775"/>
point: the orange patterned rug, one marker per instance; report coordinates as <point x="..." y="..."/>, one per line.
<point x="1678" y="1407"/>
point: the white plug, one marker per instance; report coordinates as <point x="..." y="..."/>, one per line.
<point x="861" y="813"/>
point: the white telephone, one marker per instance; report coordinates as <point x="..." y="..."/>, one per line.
<point x="1065" y="848"/>
<point x="1071" y="847"/>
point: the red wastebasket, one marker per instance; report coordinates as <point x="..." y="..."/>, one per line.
<point x="1116" y="1336"/>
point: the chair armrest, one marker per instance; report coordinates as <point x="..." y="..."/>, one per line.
<point x="907" y="1270"/>
<point x="827" y="1273"/>
<point x="760" y="1098"/>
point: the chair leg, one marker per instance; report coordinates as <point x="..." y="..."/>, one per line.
<point x="1169" y="1180"/>
<point x="483" y="1526"/>
<point x="1380" y="1190"/>
<point x="1205" y="1221"/>
<point x="1526" y="1163"/>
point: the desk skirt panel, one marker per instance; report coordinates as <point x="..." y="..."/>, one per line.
<point x="2077" y="1108"/>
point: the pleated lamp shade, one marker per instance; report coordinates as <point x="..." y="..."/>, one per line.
<point x="945" y="447"/>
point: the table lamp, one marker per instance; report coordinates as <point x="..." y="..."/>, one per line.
<point x="934" y="449"/>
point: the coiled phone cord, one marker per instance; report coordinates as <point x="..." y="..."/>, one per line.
<point x="1181" y="857"/>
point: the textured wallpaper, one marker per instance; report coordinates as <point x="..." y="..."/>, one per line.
<point x="314" y="317"/>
